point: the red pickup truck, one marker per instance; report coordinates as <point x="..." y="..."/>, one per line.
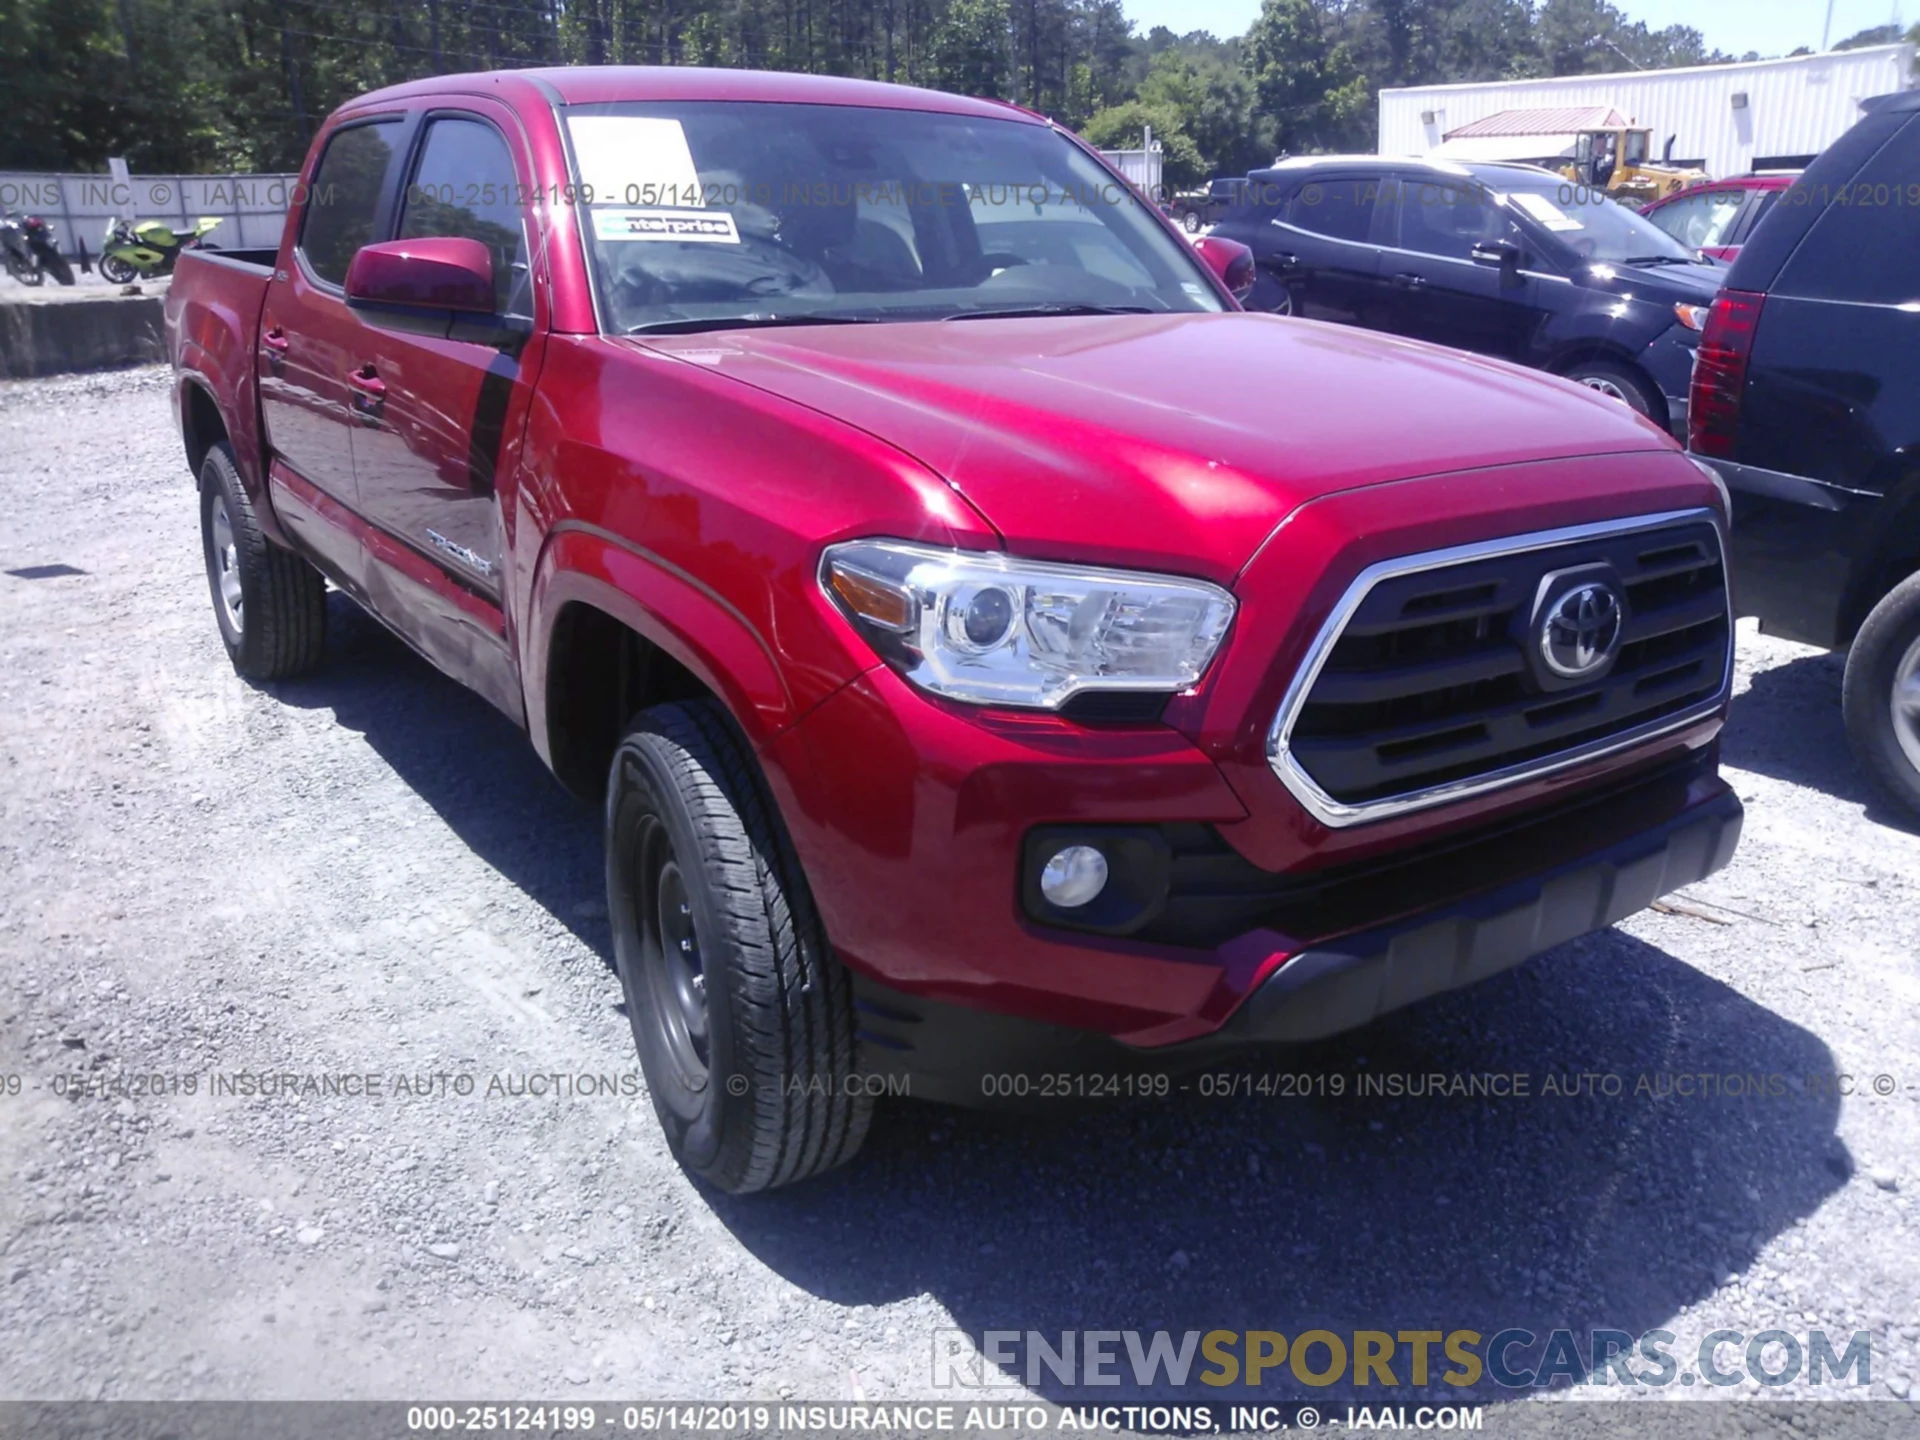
<point x="1006" y="668"/>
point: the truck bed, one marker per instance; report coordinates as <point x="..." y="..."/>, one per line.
<point x="260" y="259"/>
<point x="213" y="332"/>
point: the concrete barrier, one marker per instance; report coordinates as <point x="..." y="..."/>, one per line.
<point x="48" y="338"/>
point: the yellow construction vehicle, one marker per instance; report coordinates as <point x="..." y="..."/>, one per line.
<point x="1593" y="145"/>
<point x="1616" y="159"/>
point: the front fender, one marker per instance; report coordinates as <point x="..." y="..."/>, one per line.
<point x="664" y="605"/>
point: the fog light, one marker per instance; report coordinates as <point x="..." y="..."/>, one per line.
<point x="1074" y="876"/>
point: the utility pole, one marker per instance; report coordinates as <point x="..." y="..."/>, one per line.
<point x="1603" y="40"/>
<point x="1826" y="29"/>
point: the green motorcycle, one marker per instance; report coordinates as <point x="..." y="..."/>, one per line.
<point x="148" y="249"/>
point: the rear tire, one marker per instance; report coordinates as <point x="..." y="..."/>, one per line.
<point x="742" y="1016"/>
<point x="27" y="275"/>
<point x="57" y="266"/>
<point x="270" y="604"/>
<point x="1881" y="697"/>
<point x="1617" y="382"/>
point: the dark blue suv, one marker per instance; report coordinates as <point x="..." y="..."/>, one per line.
<point x="1507" y="260"/>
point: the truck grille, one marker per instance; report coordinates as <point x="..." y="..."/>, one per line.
<point x="1443" y="675"/>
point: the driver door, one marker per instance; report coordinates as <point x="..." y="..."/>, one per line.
<point x="1447" y="296"/>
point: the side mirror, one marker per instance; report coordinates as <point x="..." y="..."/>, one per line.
<point x="440" y="287"/>
<point x="1503" y="253"/>
<point x="1230" y="260"/>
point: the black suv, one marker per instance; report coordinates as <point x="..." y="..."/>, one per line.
<point x="1807" y="401"/>
<point x="1508" y="260"/>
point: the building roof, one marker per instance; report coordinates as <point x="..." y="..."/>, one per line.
<point x="1865" y="54"/>
<point x="1550" y="120"/>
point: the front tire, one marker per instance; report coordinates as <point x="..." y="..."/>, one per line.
<point x="117" y="271"/>
<point x="57" y="266"/>
<point x="1190" y="222"/>
<point x="742" y="1016"/>
<point x="28" y="275"/>
<point x="271" y="605"/>
<point x="1881" y="697"/>
<point x="1617" y="382"/>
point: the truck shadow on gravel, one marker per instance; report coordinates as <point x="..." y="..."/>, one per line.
<point x="1321" y="1208"/>
<point x="1346" y="1212"/>
<point x="466" y="760"/>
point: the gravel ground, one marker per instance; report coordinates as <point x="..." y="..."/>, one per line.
<point x="89" y="285"/>
<point x="369" y="873"/>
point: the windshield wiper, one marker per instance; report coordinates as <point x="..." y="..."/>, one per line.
<point x="1050" y="308"/>
<point x="694" y="324"/>
<point x="1660" y="260"/>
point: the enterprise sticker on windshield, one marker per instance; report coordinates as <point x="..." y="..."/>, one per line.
<point x="712" y="227"/>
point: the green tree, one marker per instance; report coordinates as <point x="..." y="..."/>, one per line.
<point x="1123" y="127"/>
<point x="1309" y="93"/>
<point x="1212" y="98"/>
<point x="970" y="49"/>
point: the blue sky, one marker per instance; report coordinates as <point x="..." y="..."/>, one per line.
<point x="1773" y="27"/>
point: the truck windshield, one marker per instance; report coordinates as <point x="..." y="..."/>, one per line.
<point x="713" y="214"/>
<point x="1593" y="227"/>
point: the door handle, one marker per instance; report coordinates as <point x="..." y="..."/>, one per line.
<point x="275" y="340"/>
<point x="1410" y="282"/>
<point x="1286" y="258"/>
<point x="368" y="383"/>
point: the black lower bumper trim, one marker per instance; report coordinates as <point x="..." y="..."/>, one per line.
<point x="957" y="1054"/>
<point x="1352" y="981"/>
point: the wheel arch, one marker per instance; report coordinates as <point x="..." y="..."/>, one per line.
<point x="1897" y="556"/>
<point x="201" y="424"/>
<point x="1571" y="356"/>
<point x="614" y="630"/>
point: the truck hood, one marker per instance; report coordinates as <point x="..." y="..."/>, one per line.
<point x="1170" y="441"/>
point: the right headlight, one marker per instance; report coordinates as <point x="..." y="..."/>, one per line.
<point x="991" y="629"/>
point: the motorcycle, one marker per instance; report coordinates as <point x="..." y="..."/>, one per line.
<point x="31" y="251"/>
<point x="147" y="249"/>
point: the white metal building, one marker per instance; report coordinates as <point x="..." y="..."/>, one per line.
<point x="1728" y="119"/>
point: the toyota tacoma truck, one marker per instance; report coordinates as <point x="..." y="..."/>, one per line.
<point x="996" y="655"/>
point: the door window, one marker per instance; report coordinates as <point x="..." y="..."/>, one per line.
<point x="464" y="186"/>
<point x="1701" y="221"/>
<point x="344" y="201"/>
<point x="1338" y="209"/>
<point x="1449" y="220"/>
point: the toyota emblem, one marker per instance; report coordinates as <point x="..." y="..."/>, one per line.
<point x="1581" y="631"/>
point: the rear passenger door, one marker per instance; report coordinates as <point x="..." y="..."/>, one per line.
<point x="1320" y="249"/>
<point x="307" y="336"/>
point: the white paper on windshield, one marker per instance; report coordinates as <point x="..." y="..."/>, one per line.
<point x="1544" y="210"/>
<point x="634" y="160"/>
<point x="710" y="227"/>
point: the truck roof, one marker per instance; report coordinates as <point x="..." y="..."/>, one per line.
<point x="600" y="84"/>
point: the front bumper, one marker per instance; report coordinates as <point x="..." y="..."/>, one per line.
<point x="1669" y="360"/>
<point x="1347" y="983"/>
<point x="965" y="1055"/>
